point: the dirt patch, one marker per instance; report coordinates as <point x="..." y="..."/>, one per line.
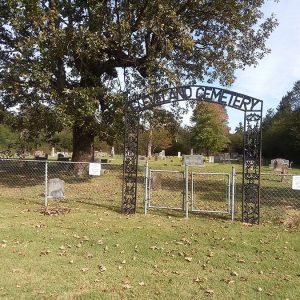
<point x="54" y="210"/>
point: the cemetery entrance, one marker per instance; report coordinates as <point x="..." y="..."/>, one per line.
<point x="252" y="109"/>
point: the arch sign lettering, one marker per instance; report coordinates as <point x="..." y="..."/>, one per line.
<point x="252" y="109"/>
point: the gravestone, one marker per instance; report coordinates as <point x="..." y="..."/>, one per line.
<point x="276" y="164"/>
<point x="162" y="154"/>
<point x="217" y="159"/>
<point x="179" y="154"/>
<point x="156" y="156"/>
<point x="112" y="152"/>
<point x="211" y="159"/>
<point x="226" y="158"/>
<point x="39" y="153"/>
<point x="56" y="188"/>
<point x="156" y="181"/>
<point x="284" y="171"/>
<point x="142" y="157"/>
<point x="194" y="160"/>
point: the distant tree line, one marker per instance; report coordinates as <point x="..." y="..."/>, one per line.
<point x="161" y="129"/>
<point x="281" y="128"/>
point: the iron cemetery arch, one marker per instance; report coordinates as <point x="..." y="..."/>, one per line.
<point x="252" y="108"/>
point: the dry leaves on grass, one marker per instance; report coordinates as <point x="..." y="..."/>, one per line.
<point x="56" y="210"/>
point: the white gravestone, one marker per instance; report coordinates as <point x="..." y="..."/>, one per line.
<point x="95" y="169"/>
<point x="56" y="188"/>
<point x="211" y="159"/>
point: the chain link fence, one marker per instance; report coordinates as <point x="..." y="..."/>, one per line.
<point x="166" y="189"/>
<point x="29" y="180"/>
<point x="211" y="192"/>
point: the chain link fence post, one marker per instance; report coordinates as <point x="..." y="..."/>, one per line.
<point x="186" y="191"/>
<point x="46" y="184"/>
<point x="232" y="193"/>
<point x="146" y="189"/>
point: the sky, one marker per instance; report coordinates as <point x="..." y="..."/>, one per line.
<point x="276" y="74"/>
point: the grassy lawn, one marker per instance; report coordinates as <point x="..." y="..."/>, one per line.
<point x="96" y="253"/>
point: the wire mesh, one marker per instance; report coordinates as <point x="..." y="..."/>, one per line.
<point x="166" y="189"/>
<point x="26" y="180"/>
<point x="22" y="179"/>
<point x="210" y="192"/>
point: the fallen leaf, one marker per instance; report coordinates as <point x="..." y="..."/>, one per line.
<point x="209" y="292"/>
<point x="126" y="286"/>
<point x="188" y="258"/>
<point x="233" y="273"/>
<point x="102" y="268"/>
<point x="142" y="283"/>
<point x="84" y="270"/>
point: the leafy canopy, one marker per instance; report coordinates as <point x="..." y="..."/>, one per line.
<point x="67" y="54"/>
<point x="210" y="132"/>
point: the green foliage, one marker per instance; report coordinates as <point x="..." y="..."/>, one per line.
<point x="66" y="54"/>
<point x="210" y="132"/>
<point x="7" y="137"/>
<point x="281" y="129"/>
<point x="237" y="139"/>
<point x="159" y="128"/>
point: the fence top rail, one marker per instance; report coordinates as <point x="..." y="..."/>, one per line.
<point x="210" y="173"/>
<point x="54" y="161"/>
<point x="166" y="171"/>
<point x="270" y="174"/>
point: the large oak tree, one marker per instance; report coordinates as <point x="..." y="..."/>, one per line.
<point x="65" y="54"/>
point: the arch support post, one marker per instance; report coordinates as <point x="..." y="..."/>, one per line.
<point x="252" y="167"/>
<point x="130" y="160"/>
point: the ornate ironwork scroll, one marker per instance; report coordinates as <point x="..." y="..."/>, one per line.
<point x="130" y="160"/>
<point x="251" y="168"/>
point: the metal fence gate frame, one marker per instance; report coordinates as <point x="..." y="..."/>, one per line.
<point x="148" y="190"/>
<point x="188" y="180"/>
<point x="228" y="192"/>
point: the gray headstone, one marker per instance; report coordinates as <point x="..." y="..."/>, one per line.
<point x="56" y="188"/>
<point x="277" y="163"/>
<point x="156" y="181"/>
<point x="194" y="160"/>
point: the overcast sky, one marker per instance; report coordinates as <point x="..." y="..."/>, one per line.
<point x="279" y="70"/>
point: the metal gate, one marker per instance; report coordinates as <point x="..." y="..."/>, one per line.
<point x="165" y="189"/>
<point x="209" y="192"/>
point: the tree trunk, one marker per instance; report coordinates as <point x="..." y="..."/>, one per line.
<point x="150" y="143"/>
<point x="83" y="144"/>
